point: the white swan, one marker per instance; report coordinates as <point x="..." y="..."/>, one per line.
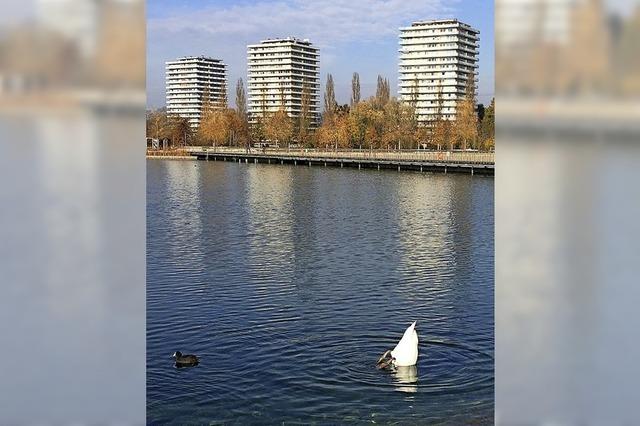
<point x="405" y="353"/>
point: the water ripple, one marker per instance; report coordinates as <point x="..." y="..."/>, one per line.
<point x="290" y="282"/>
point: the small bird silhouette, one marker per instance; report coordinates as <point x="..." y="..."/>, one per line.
<point x="185" y="360"/>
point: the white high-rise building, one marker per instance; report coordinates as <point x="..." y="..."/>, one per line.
<point x="436" y="59"/>
<point x="278" y="71"/>
<point x="191" y="82"/>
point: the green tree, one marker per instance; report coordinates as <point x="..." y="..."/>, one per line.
<point x="329" y="99"/>
<point x="241" y="119"/>
<point x="382" y="92"/>
<point x="487" y="127"/>
<point x="355" y="89"/>
<point x="241" y="100"/>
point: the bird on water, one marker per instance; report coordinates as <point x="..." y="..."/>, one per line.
<point x="185" y="360"/>
<point x="405" y="353"/>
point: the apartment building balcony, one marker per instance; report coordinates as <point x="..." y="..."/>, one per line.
<point x="285" y="47"/>
<point x="420" y="42"/>
<point x="194" y="66"/>
<point x="285" y="65"/>
<point x="311" y="78"/>
<point x="199" y="88"/>
<point x="196" y="72"/>
<point x="428" y="50"/>
<point x="213" y="78"/>
<point x="298" y="80"/>
<point x="432" y="89"/>
<point x="432" y="32"/>
<point x="434" y="73"/>
<point x="252" y="55"/>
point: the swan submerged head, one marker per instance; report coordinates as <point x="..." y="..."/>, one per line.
<point x="405" y="353"/>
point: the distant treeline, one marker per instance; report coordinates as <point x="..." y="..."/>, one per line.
<point x="380" y="122"/>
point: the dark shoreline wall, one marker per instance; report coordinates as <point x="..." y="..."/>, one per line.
<point x="434" y="167"/>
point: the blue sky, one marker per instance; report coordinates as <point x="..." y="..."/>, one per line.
<point x="353" y="35"/>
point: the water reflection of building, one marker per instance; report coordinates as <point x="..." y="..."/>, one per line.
<point x="185" y="224"/>
<point x="424" y="230"/>
<point x="270" y="216"/>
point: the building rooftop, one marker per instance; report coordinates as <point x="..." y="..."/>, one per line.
<point x="195" y="58"/>
<point x="295" y="40"/>
<point x="451" y="21"/>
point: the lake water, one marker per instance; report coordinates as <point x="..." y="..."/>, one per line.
<point x="290" y="282"/>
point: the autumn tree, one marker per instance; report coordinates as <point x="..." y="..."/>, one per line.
<point x="237" y="129"/>
<point x="304" y="119"/>
<point x="423" y="137"/>
<point x="341" y="133"/>
<point x="408" y="126"/>
<point x="157" y="125"/>
<point x="440" y="125"/>
<point x="374" y="124"/>
<point x="357" y="120"/>
<point x="391" y="124"/>
<point x="466" y="127"/>
<point x="325" y="135"/>
<point x="279" y="126"/>
<point x="179" y="130"/>
<point x="214" y="127"/>
<point x="442" y="134"/>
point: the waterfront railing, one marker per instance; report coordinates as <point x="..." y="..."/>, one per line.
<point x="451" y="157"/>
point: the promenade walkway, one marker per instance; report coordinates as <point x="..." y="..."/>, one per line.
<point x="469" y="162"/>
